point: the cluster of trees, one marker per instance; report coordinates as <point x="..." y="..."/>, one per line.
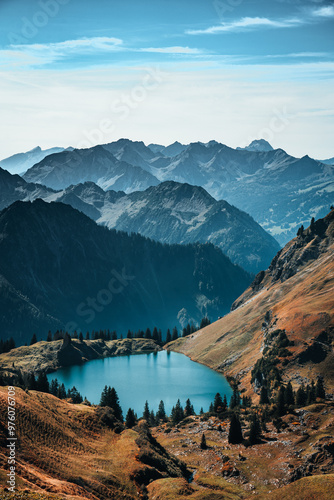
<point x="55" y="388"/>
<point x="155" y="334"/>
<point x="7" y="345"/>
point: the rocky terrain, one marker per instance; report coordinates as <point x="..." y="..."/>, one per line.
<point x="293" y="298"/>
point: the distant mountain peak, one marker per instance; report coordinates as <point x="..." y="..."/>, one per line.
<point x="259" y="145"/>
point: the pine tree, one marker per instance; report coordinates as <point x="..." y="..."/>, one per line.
<point x="114" y="404"/>
<point x="177" y="413"/>
<point x="61" y="392"/>
<point x="148" y="334"/>
<point x="161" y="413"/>
<point x="320" y="389"/>
<point x="311" y="393"/>
<point x="155" y="334"/>
<point x="235" y="431"/>
<point x="49" y="337"/>
<point x="203" y="444"/>
<point x="281" y="408"/>
<point x="33" y="339"/>
<point x="254" y="430"/>
<point x="175" y="334"/>
<point x="289" y="395"/>
<point x="42" y="383"/>
<point x="80" y="337"/>
<point x="87" y="336"/>
<point x="301" y="396"/>
<point x="189" y="409"/>
<point x="153" y="419"/>
<point x="129" y="335"/>
<point x="130" y="420"/>
<point x="235" y="398"/>
<point x="146" y="412"/>
<point x="264" y="398"/>
<point x="168" y="336"/>
<point x="218" y="403"/>
<point x="54" y="387"/>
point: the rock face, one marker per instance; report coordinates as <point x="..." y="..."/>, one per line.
<point x="283" y="322"/>
<point x="59" y="268"/>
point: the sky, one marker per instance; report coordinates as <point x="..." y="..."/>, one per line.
<point x="81" y="72"/>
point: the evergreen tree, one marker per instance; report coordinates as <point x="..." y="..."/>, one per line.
<point x="224" y="403"/>
<point x="130" y="420"/>
<point x="33" y="339"/>
<point x="31" y="383"/>
<point x="114" y="404"/>
<point x="129" y="335"/>
<point x="177" y="413"/>
<point x="311" y="393"/>
<point x="155" y="334"/>
<point x="289" y="395"/>
<point x="87" y="336"/>
<point x="203" y="442"/>
<point x="75" y="395"/>
<point x="189" y="409"/>
<point x="320" y="389"/>
<point x="54" y="387"/>
<point x="80" y="337"/>
<point x="235" y="398"/>
<point x="161" y="413"/>
<point x="148" y="334"/>
<point x="235" y="431"/>
<point x="201" y="412"/>
<point x="301" y="396"/>
<point x="114" y="335"/>
<point x="146" y="412"/>
<point x="49" y="337"/>
<point x="204" y="322"/>
<point x="168" y="336"/>
<point x="175" y="334"/>
<point x="42" y="383"/>
<point x="264" y="398"/>
<point x="254" y="430"/>
<point x="218" y="404"/>
<point x="281" y="408"/>
<point x="61" y="392"/>
<point x="153" y="419"/>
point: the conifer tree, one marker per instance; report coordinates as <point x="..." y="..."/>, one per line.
<point x="54" y="387"/>
<point x="33" y="339"/>
<point x="203" y="444"/>
<point x="80" y="337"/>
<point x="264" y="398"/>
<point x="189" y="409"/>
<point x="42" y="383"/>
<point x="175" y="334"/>
<point x="235" y="398"/>
<point x="177" y="413"/>
<point x="235" y="431"/>
<point x="168" y="336"/>
<point x="254" y="430"/>
<point x="320" y="389"/>
<point x="146" y="412"/>
<point x="218" y="404"/>
<point x="161" y="413"/>
<point x="281" y="408"/>
<point x="130" y="420"/>
<point x="289" y="395"/>
<point x="114" y="404"/>
<point x="301" y="396"/>
<point x="49" y="337"/>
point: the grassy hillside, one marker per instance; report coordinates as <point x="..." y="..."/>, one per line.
<point x="295" y="295"/>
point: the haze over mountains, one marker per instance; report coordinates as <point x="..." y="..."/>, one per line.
<point x="169" y="212"/>
<point x="59" y="269"/>
<point x="279" y="191"/>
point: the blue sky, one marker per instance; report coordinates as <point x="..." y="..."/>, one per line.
<point x="79" y="72"/>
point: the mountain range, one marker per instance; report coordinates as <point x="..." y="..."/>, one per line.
<point x="279" y="191"/>
<point x="169" y="212"/>
<point x="21" y="162"/>
<point x="59" y="269"/>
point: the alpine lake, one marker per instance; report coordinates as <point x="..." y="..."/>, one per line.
<point x="166" y="376"/>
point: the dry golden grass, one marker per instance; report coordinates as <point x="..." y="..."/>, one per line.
<point x="303" y="305"/>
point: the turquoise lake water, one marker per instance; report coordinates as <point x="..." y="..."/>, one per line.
<point x="152" y="377"/>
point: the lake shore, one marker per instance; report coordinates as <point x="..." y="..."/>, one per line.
<point x="50" y="356"/>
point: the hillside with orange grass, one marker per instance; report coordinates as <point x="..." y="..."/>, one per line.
<point x="285" y="316"/>
<point x="78" y="452"/>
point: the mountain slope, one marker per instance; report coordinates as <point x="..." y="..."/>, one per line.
<point x="14" y="188"/>
<point x="96" y="164"/>
<point x="181" y="213"/>
<point x="20" y="162"/>
<point x="62" y="264"/>
<point x="279" y="191"/>
<point x="295" y="296"/>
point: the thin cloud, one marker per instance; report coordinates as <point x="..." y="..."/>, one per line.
<point x="172" y="50"/>
<point x="246" y="24"/>
<point x="326" y="11"/>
